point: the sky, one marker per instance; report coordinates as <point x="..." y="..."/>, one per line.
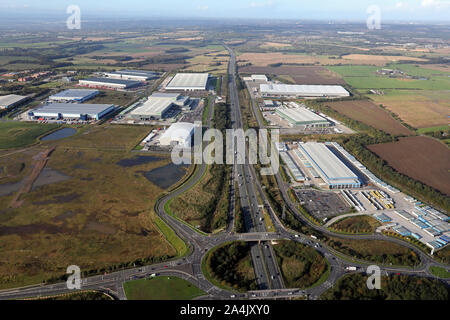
<point x="350" y="10"/>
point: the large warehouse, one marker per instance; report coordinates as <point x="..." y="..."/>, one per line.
<point x="298" y="91"/>
<point x="330" y="168"/>
<point x="189" y="82"/>
<point x="71" y="111"/>
<point x="180" y="134"/>
<point x="136" y="75"/>
<point x="109" y="83"/>
<point x="11" y="100"/>
<point x="301" y="116"/>
<point x="158" y="105"/>
<point x="75" y="95"/>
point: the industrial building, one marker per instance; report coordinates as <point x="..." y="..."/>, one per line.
<point x="293" y="168"/>
<point x="74" y="95"/>
<point x="179" y="134"/>
<point x="329" y="167"/>
<point x="302" y="91"/>
<point x="158" y="106"/>
<point x="189" y="82"/>
<point x="300" y="116"/>
<point x="136" y="75"/>
<point x="11" y="100"/>
<point x="108" y="83"/>
<point x="58" y="111"/>
<point x="259" y="77"/>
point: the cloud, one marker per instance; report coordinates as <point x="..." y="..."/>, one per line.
<point x="202" y="8"/>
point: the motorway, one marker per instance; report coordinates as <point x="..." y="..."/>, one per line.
<point x="189" y="267"/>
<point x="264" y="261"/>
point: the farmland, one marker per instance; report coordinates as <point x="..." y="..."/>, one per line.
<point x="421" y="158"/>
<point x="420" y="97"/>
<point x="418" y="108"/>
<point x="367" y="112"/>
<point x="266" y="59"/>
<point x="300" y="75"/>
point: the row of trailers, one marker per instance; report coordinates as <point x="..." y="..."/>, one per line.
<point x="378" y="200"/>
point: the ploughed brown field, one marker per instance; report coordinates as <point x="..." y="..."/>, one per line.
<point x="369" y="113"/>
<point x="301" y="75"/>
<point x="421" y="158"/>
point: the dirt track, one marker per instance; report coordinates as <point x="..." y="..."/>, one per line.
<point x="38" y="167"/>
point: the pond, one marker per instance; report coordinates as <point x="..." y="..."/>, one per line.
<point x="166" y="176"/>
<point x="60" y="134"/>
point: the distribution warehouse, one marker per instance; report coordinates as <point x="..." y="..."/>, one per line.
<point x="11" y="100"/>
<point x="136" y="75"/>
<point x="75" y="95"/>
<point x="158" y="106"/>
<point x="330" y="168"/>
<point x="109" y="83"/>
<point x="297" y="115"/>
<point x="189" y="82"/>
<point x="178" y="134"/>
<point x="296" y="91"/>
<point x="71" y="111"/>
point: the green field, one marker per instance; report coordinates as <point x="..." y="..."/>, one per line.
<point x="170" y="235"/>
<point x="417" y="71"/>
<point x="433" y="129"/>
<point x="161" y="288"/>
<point x="365" y="77"/>
<point x="440" y="272"/>
<point x="19" y="134"/>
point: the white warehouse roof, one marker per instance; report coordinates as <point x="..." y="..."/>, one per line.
<point x="74" y="94"/>
<point x="300" y="115"/>
<point x="332" y="170"/>
<point x="259" y="77"/>
<point x="179" y="133"/>
<point x="154" y="106"/>
<point x="11" y="100"/>
<point x="303" y="90"/>
<point x="73" y="110"/>
<point x="189" y="81"/>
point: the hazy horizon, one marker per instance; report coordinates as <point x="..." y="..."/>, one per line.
<point x="435" y="11"/>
